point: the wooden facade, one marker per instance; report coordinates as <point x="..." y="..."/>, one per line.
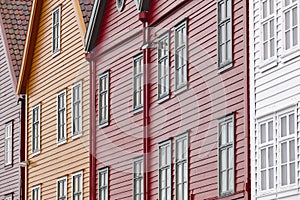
<point x="114" y="39"/>
<point x="44" y="75"/>
<point x="12" y="40"/>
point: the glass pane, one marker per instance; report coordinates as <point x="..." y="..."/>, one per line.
<point x="224" y="181"/>
<point x="271" y="6"/>
<point x="265" y="32"/>
<point x="271" y="156"/>
<point x="263" y="135"/>
<point x="292" y="150"/>
<point x="295" y="36"/>
<point x="263" y="159"/>
<point x="223" y="134"/>
<point x="270" y="130"/>
<point x="284" y="152"/>
<point x="283" y="127"/>
<point x="295" y="16"/>
<point x="223" y="160"/>
<point x="230" y="180"/>
<point x="231" y="157"/>
<point x="287" y="40"/>
<point x="263" y="180"/>
<point x="284" y="175"/>
<point x="271" y="178"/>
<point x="292" y="173"/>
<point x="230" y="132"/>
<point x="265" y="9"/>
<point x="291" y="124"/>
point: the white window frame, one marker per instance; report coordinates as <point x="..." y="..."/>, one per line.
<point x="33" y="189"/>
<point x="161" y="59"/>
<point x="8" y="143"/>
<point x="9" y="197"/>
<point x="58" y="25"/>
<point x="138" y="107"/>
<point x="38" y="149"/>
<point x="182" y="138"/>
<point x="228" y="145"/>
<point x="105" y="75"/>
<point x="164" y="145"/>
<point x="65" y="187"/>
<point x="285" y="8"/>
<point x="140" y="178"/>
<point x="76" y="134"/>
<point x="227" y="63"/>
<point x="62" y="141"/>
<point x="81" y="184"/>
<point x="104" y="171"/>
<point x="183" y="48"/>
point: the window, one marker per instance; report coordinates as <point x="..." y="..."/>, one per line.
<point x="268" y="29"/>
<point x="226" y="156"/>
<point x="266" y="152"/>
<point x="56" y="30"/>
<point x="77" y="186"/>
<point x="138" y="184"/>
<point x="138" y="82"/>
<point x="120" y="5"/>
<point x="36" y="193"/>
<point x="181" y="166"/>
<point x="103" y="99"/>
<point x="8" y="144"/>
<point x="165" y="172"/>
<point x="61" y="117"/>
<point x="181" y="60"/>
<point x="163" y="52"/>
<point x="103" y="183"/>
<point x="77" y="109"/>
<point x="36" y="130"/>
<point x="224" y="33"/>
<point x="291" y="23"/>
<point x="9" y="197"/>
<point x="62" y="189"/>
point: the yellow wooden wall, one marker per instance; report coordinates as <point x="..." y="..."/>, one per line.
<point x="50" y="75"/>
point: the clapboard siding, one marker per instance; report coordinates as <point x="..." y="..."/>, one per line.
<point x="48" y="76"/>
<point x="9" y="111"/>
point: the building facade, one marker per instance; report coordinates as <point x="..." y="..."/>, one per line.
<point x="54" y="77"/>
<point x="275" y="59"/>
<point x="169" y="99"/>
<point x="12" y="138"/>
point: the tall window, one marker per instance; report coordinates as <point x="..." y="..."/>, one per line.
<point x="181" y="166"/>
<point x="103" y="99"/>
<point x="77" y="109"/>
<point x="224" y="33"/>
<point x="103" y="183"/>
<point x="163" y="66"/>
<point x="165" y="172"/>
<point x="138" y="184"/>
<point x="268" y="29"/>
<point x="287" y="146"/>
<point x="8" y="144"/>
<point x="291" y="23"/>
<point x="138" y="82"/>
<point x="62" y="189"/>
<point x="9" y="197"/>
<point x="36" y="193"/>
<point x="61" y="117"/>
<point x="77" y="186"/>
<point x="181" y="60"/>
<point x="56" y="30"/>
<point x="226" y="156"/>
<point x="266" y="151"/>
<point x="36" y="129"/>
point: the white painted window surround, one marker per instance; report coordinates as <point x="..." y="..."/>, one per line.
<point x="77" y="186"/>
<point x="77" y="109"/>
<point x="138" y="83"/>
<point x="103" y="183"/>
<point x="138" y="179"/>
<point x="8" y="143"/>
<point x="36" y="113"/>
<point x="61" y="189"/>
<point x="56" y="24"/>
<point x="103" y="99"/>
<point x="165" y="170"/>
<point x="36" y="193"/>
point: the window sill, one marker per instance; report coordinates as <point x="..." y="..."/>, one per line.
<point x="181" y="89"/>
<point x="163" y="98"/>
<point x="289" y="55"/>
<point x="226" y="194"/>
<point x="137" y="110"/>
<point x="61" y="142"/>
<point x="268" y="65"/>
<point x="76" y="135"/>
<point x="54" y="54"/>
<point x="225" y="66"/>
<point x="8" y="165"/>
<point x="33" y="154"/>
<point x="103" y="124"/>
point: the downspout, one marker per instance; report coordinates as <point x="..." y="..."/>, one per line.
<point x="22" y="146"/>
<point x="92" y="127"/>
<point x="143" y="16"/>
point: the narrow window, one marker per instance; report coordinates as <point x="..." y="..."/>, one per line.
<point x="56" y="30"/>
<point x="291" y="23"/>
<point x="77" y="186"/>
<point x="62" y="189"/>
<point x="138" y="82"/>
<point x="224" y="33"/>
<point x="163" y="53"/>
<point x="181" y="166"/>
<point x="268" y="29"/>
<point x="36" y="129"/>
<point x="287" y="145"/>
<point x="61" y="117"/>
<point x="77" y="109"/>
<point x="226" y="156"/>
<point x="103" y="99"/>
<point x="138" y="184"/>
<point x="103" y="183"/>
<point x="9" y="197"/>
<point x="165" y="172"/>
<point x="8" y="144"/>
<point x="36" y="193"/>
<point x="266" y="151"/>
<point x="181" y="60"/>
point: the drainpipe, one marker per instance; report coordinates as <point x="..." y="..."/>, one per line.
<point x="22" y="146"/>
<point x="143" y="16"/>
<point x="89" y="58"/>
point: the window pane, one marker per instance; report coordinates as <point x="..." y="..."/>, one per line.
<point x="291" y="124"/>
<point x="271" y="178"/>
<point x="284" y="175"/>
<point x="263" y="180"/>
<point x="292" y="150"/>
<point x="265" y="9"/>
<point x="271" y="156"/>
<point x="284" y="152"/>
<point x="292" y="173"/>
<point x="270" y="130"/>
<point x="263" y="158"/>
<point x="224" y="181"/>
<point x="224" y="134"/>
<point x="263" y="134"/>
<point x="283" y="127"/>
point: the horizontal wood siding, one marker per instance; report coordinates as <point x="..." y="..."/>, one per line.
<point x="9" y="111"/>
<point x="49" y="76"/>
